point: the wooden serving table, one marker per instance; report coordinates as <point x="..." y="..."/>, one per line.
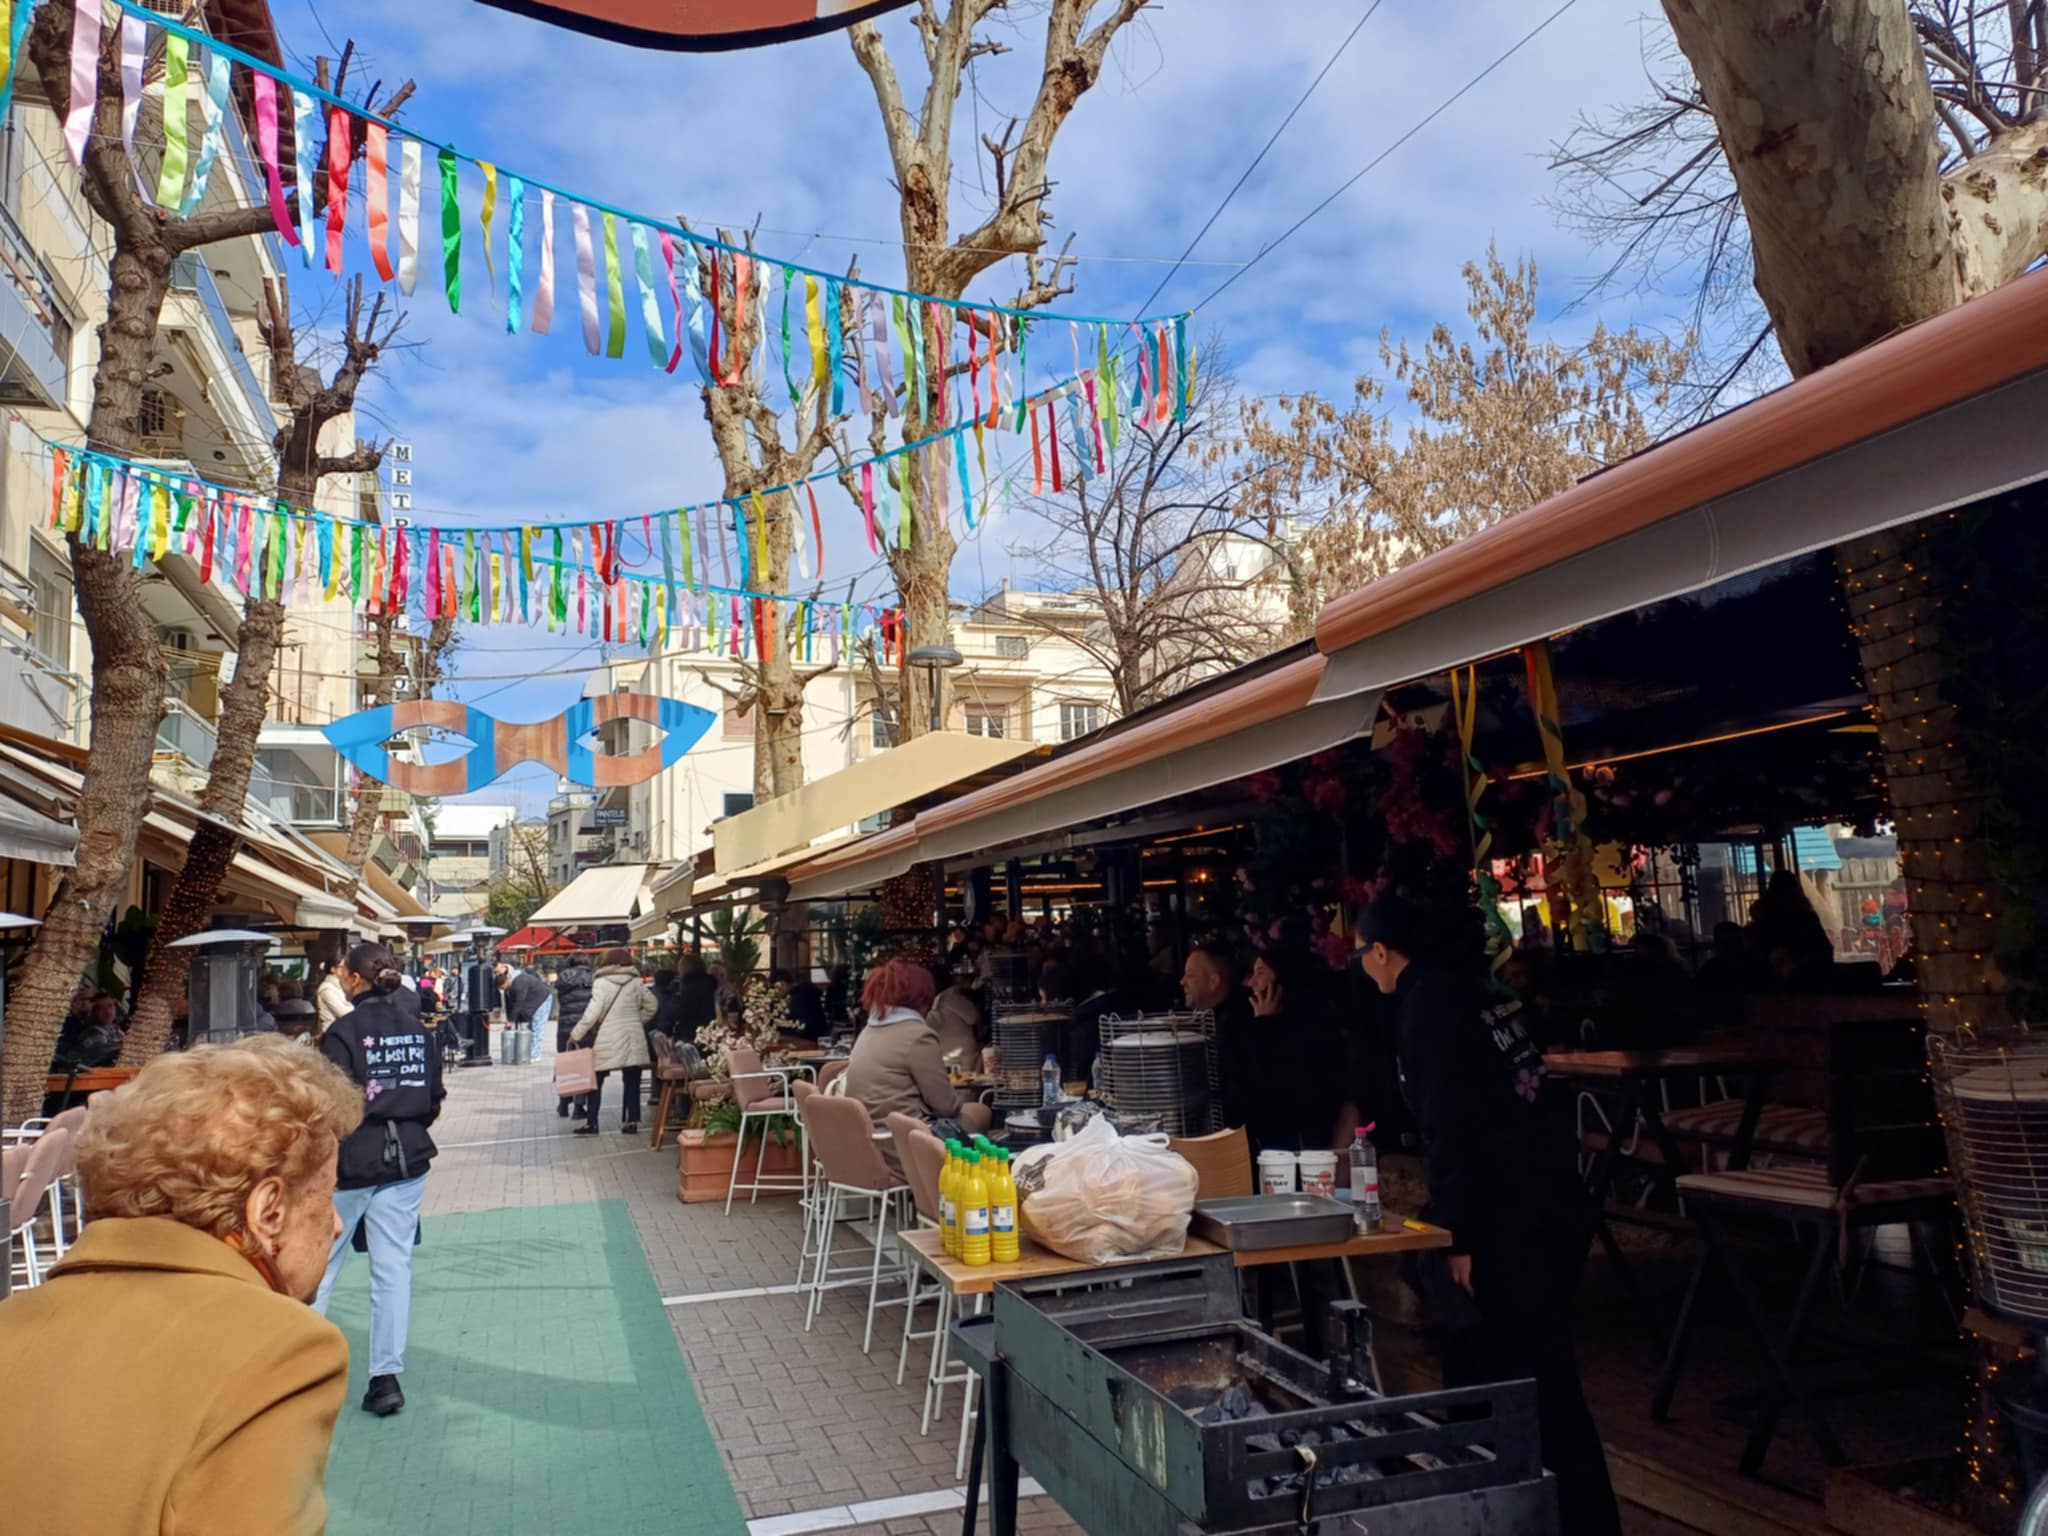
<point x="83" y="1084"/>
<point x="925" y="1247"/>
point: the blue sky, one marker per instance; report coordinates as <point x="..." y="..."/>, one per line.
<point x="512" y="428"/>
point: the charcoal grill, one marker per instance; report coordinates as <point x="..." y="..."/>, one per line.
<point x="1149" y="1406"/>
<point x="1161" y="1064"/>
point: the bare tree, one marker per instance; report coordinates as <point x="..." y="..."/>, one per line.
<point x="1940" y="107"/>
<point x="1191" y="578"/>
<point x="312" y="404"/>
<point x="747" y="431"/>
<point x="937" y="263"/>
<point x="525" y="884"/>
<point x="128" y="671"/>
<point x="1495" y="429"/>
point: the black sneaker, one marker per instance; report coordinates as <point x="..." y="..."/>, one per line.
<point x="630" y="1130"/>
<point x="585" y="1129"/>
<point x="383" y="1398"/>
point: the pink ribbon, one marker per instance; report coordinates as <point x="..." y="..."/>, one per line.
<point x="339" y="154"/>
<point x="266" y="147"/>
<point x="867" y="504"/>
<point x="85" y="76"/>
<point x="586" y="280"/>
<point x="675" y="299"/>
<point x="544" y="295"/>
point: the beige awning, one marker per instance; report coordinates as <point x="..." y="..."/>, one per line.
<point x="610" y="893"/>
<point x="794" y="822"/>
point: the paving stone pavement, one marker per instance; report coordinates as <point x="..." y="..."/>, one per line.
<point x="803" y="1422"/>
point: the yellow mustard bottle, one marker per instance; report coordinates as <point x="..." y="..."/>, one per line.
<point x="1002" y="1212"/>
<point x="973" y="1195"/>
<point x="949" y="1204"/>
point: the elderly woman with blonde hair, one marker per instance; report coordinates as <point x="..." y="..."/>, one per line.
<point x="180" y="1313"/>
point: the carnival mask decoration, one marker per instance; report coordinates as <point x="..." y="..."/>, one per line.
<point x="498" y="746"/>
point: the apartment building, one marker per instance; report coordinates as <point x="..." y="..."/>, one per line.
<point x="1023" y="678"/>
<point x="460" y="841"/>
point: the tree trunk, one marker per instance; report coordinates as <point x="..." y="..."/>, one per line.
<point x="128" y="682"/>
<point x="212" y="851"/>
<point x="1828" y="123"/>
<point x="362" y="827"/>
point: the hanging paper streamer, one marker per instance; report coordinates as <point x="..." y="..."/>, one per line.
<point x="483" y="219"/>
<point x="408" y="216"/>
<point x="515" y="252"/>
<point x="338" y="160"/>
<point x="376" y="196"/>
<point x="134" y="41"/>
<point x="586" y="278"/>
<point x="14" y="18"/>
<point x="266" y="148"/>
<point x="214" y="104"/>
<point x="614" y="291"/>
<point x="544" y="294"/>
<point x="306" y="164"/>
<point x="650" y="302"/>
<point x="170" y="181"/>
<point x="451" y="232"/>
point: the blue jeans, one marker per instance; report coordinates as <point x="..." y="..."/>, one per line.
<point x="543" y="1028"/>
<point x="393" y="1212"/>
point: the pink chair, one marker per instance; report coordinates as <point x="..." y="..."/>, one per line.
<point x="828" y="1071"/>
<point x="850" y="1167"/>
<point x="67" y="1203"/>
<point x="763" y="1094"/>
<point x="47" y="1160"/>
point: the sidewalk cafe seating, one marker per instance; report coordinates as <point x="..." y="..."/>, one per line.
<point x="762" y="1094"/>
<point x="31" y="1173"/>
<point x="1884" y="1151"/>
<point x="840" y="1132"/>
<point x="923" y="1155"/>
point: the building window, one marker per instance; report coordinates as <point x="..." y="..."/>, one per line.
<point x="734" y="804"/>
<point x="1079" y="720"/>
<point x="1013" y="646"/>
<point x="983" y="722"/>
<point x="881" y="733"/>
<point x="52" y="586"/>
<point x="737" y="724"/>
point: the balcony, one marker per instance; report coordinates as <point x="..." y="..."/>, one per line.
<point x="183" y="736"/>
<point x="228" y="418"/>
<point x="35" y="330"/>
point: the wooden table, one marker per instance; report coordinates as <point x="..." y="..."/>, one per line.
<point x="83" y="1084"/>
<point x="925" y="1247"/>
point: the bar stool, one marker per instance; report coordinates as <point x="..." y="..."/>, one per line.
<point x="763" y="1093"/>
<point x="850" y="1166"/>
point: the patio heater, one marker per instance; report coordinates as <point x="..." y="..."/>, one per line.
<point x="221" y="987"/>
<point x="13" y="928"/>
<point x="1994" y="1110"/>
<point x="480" y="997"/>
<point x="935" y="659"/>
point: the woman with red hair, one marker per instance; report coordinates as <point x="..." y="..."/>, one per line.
<point x="896" y="1066"/>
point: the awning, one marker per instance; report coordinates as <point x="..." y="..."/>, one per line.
<point x="26" y="833"/>
<point x="1259" y="722"/>
<point x="1940" y="415"/>
<point x="922" y="766"/>
<point x="376" y="877"/>
<point x="607" y="894"/>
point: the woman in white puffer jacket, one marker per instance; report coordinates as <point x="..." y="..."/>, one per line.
<point x="618" y="1014"/>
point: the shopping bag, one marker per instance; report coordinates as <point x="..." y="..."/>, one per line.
<point x="575" y="1072"/>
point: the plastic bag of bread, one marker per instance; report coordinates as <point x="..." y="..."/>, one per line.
<point x="1099" y="1196"/>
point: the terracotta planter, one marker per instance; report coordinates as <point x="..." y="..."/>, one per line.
<point x="704" y="1165"/>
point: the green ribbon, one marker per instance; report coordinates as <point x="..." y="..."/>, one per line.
<point x="558" y="596"/>
<point x="1023" y="373"/>
<point x="170" y="181"/>
<point x="1105" y="384"/>
<point x="788" y="375"/>
<point x="614" y="291"/>
<point x="683" y="533"/>
<point x="475" y="594"/>
<point x="451" y="233"/>
<point x="355" y="561"/>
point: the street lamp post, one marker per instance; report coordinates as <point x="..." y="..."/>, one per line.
<point x="935" y="659"/>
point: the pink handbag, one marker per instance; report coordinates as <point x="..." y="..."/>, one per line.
<point x="575" y="1072"/>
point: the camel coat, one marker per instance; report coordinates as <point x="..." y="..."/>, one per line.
<point x="620" y="1009"/>
<point x="218" y="1422"/>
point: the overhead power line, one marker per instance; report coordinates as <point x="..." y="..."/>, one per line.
<point x="1237" y="186"/>
<point x="1440" y="109"/>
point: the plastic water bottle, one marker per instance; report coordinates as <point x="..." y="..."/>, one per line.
<point x="1365" y="1182"/>
<point x="1050" y="1082"/>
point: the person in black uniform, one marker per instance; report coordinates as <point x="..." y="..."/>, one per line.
<point x="382" y="1175"/>
<point x="1503" y="1180"/>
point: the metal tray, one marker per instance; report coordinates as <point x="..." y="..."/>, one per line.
<point x="1272" y="1221"/>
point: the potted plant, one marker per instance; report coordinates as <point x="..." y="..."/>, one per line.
<point x="704" y="1161"/>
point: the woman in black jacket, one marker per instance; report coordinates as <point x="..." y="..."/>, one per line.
<point x="381" y="1044"/>
<point x="572" y="995"/>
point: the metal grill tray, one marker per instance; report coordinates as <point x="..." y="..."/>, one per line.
<point x="1272" y="1221"/>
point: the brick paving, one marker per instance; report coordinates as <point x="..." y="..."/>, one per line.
<point x="804" y="1424"/>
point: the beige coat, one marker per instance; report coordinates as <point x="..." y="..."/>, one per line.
<point x="160" y="1388"/>
<point x="331" y="999"/>
<point x="619" y="1012"/>
<point x="895" y="1069"/>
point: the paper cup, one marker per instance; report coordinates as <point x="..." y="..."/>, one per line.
<point x="1318" y="1173"/>
<point x="1276" y="1173"/>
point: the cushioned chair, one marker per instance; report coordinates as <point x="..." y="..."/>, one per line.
<point x="40" y="1165"/>
<point x="763" y="1094"/>
<point x="850" y="1167"/>
<point x="676" y="1066"/>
